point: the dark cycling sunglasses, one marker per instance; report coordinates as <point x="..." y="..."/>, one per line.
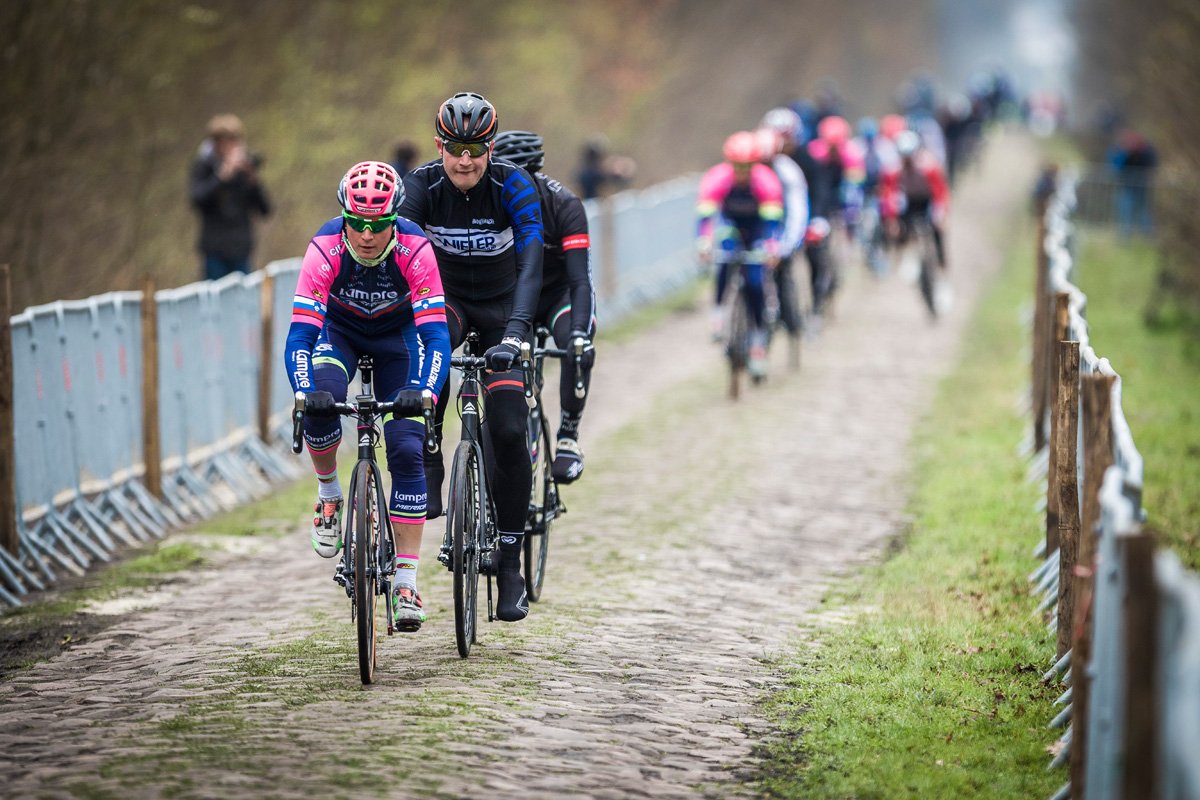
<point x="457" y="149"/>
<point x="374" y="224"/>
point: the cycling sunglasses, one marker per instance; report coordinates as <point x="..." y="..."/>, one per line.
<point x="457" y="149"/>
<point x="374" y="225"/>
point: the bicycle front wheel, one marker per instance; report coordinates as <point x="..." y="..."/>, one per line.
<point x="463" y="525"/>
<point x="363" y="541"/>
<point x="543" y="506"/>
<point x="737" y="349"/>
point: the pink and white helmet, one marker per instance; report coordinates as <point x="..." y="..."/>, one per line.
<point x="371" y="189"/>
<point x="741" y="148"/>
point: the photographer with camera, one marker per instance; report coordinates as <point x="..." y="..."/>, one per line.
<point x="226" y="189"/>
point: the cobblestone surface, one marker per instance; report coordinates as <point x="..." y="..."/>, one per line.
<point x="703" y="533"/>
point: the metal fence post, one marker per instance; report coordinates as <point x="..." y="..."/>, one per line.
<point x="266" y="348"/>
<point x="9" y="537"/>
<point x="609" y="284"/>
<point x="1065" y="484"/>
<point x="151" y="437"/>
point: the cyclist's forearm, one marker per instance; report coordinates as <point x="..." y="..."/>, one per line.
<point x="297" y="355"/>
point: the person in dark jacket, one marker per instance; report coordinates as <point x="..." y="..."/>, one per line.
<point x="227" y="191"/>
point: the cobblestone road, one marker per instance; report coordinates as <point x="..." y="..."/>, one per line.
<point x="702" y="534"/>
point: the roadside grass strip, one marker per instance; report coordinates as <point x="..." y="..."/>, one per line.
<point x="1159" y="365"/>
<point x="923" y="678"/>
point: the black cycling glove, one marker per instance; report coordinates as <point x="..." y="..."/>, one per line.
<point x="588" y="357"/>
<point x="408" y="404"/>
<point x="501" y="357"/>
<point x="319" y="404"/>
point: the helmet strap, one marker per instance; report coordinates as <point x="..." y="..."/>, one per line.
<point x="369" y="262"/>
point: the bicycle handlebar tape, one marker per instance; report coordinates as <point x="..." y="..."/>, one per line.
<point x="297" y="419"/>
<point x="527" y="373"/>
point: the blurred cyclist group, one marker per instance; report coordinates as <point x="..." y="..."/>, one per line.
<point x="479" y="239"/>
<point x="804" y="190"/>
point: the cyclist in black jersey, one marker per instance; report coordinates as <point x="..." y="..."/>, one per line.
<point x="484" y="220"/>
<point x="567" y="305"/>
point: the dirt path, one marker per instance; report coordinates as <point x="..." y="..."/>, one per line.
<point x="703" y="533"/>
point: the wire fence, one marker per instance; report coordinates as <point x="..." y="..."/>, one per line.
<point x="1127" y="616"/>
<point x="131" y="421"/>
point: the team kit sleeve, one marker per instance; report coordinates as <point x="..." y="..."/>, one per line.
<point x="420" y="269"/>
<point x="309" y="306"/>
<point x="769" y="193"/>
<point x="714" y="185"/>
<point x="576" y="246"/>
<point x="520" y="200"/>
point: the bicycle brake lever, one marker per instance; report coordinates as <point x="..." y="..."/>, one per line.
<point x="431" y="445"/>
<point x="577" y="349"/>
<point x="527" y="373"/>
<point x="297" y="419"/>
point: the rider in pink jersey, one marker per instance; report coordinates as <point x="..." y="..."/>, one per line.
<point x="369" y="284"/>
<point x="740" y="208"/>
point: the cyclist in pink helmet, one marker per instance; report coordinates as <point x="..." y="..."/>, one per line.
<point x="740" y="207"/>
<point x="369" y="284"/>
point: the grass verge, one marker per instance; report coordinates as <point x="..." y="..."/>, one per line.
<point x="1159" y="366"/>
<point x="932" y="689"/>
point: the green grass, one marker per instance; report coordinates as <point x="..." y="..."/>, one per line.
<point x="1159" y="367"/>
<point x="932" y="689"/>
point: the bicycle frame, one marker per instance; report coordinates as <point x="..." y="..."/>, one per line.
<point x="367" y="412"/>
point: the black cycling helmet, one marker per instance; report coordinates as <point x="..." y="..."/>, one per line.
<point x="466" y="117"/>
<point x="523" y="148"/>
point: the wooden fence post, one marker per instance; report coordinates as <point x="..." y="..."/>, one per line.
<point x="9" y="539"/>
<point x="151" y="443"/>
<point x="1041" y="311"/>
<point x="1058" y="323"/>
<point x="1096" y="396"/>
<point x="1140" y="621"/>
<point x="265" y="361"/>
<point x="1065" y="482"/>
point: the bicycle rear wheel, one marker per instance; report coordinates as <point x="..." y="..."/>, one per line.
<point x="543" y="506"/>
<point x="463" y="523"/>
<point x="363" y="542"/>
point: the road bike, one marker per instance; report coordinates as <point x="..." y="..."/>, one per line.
<point x="367" y="565"/>
<point x="545" y="504"/>
<point x="737" y="328"/>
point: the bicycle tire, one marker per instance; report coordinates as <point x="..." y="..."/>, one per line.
<point x="926" y="276"/>
<point x="543" y="503"/>
<point x="463" y="529"/>
<point x="738" y="348"/>
<point x="363" y="542"/>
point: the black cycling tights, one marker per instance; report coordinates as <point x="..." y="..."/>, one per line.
<point x="504" y="416"/>
<point x="560" y="328"/>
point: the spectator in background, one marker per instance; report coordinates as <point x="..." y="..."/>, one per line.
<point x="1134" y="159"/>
<point x="600" y="172"/>
<point x="226" y="189"/>
<point x="404" y="158"/>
